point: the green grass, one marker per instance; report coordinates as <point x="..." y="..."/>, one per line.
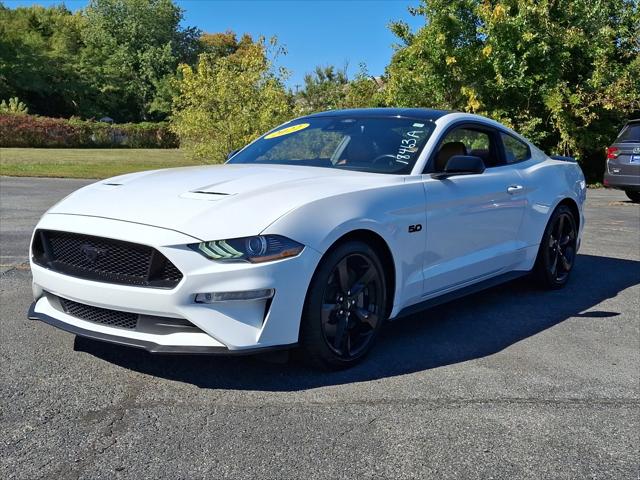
<point x="86" y="163"/>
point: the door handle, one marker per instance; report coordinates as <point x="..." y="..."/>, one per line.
<point x="514" y="189"/>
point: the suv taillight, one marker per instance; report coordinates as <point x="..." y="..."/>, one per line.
<point x="613" y="152"/>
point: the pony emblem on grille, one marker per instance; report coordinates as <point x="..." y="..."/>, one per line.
<point x="92" y="253"/>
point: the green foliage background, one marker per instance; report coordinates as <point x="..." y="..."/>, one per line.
<point x="113" y="58"/>
<point x="224" y="102"/>
<point x="565" y="73"/>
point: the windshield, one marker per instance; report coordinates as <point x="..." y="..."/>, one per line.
<point x="379" y="145"/>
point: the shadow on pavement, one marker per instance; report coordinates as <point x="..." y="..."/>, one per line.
<point x="469" y="328"/>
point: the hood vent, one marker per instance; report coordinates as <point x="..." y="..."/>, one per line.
<point x="205" y="195"/>
<point x="204" y="192"/>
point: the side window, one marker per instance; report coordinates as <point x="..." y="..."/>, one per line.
<point x="466" y="141"/>
<point x="514" y="149"/>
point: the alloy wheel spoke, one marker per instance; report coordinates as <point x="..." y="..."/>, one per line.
<point x="347" y="344"/>
<point x="367" y="317"/>
<point x="566" y="264"/>
<point x="363" y="281"/>
<point x="565" y="240"/>
<point x="340" y="332"/>
<point x="327" y="310"/>
<point x="554" y="264"/>
<point x="560" y="227"/>
<point x="343" y="275"/>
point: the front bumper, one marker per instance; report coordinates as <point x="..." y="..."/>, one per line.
<point x="145" y="344"/>
<point x="225" y="327"/>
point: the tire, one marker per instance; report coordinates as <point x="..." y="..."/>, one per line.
<point x="633" y="195"/>
<point x="557" y="252"/>
<point x="345" y="307"/>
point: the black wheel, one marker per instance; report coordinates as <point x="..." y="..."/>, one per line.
<point x="557" y="252"/>
<point x="633" y="195"/>
<point x="345" y="307"/>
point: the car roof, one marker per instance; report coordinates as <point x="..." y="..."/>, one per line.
<point x="417" y="113"/>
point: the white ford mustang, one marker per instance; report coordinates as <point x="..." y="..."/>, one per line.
<point x="313" y="235"/>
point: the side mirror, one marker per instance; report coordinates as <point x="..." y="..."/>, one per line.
<point x="232" y="153"/>
<point x="461" y="165"/>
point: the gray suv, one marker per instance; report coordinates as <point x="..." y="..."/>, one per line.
<point x="623" y="161"/>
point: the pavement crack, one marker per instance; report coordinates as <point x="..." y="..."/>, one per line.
<point x="45" y="464"/>
<point x="354" y="426"/>
<point x="108" y="437"/>
<point x="19" y="267"/>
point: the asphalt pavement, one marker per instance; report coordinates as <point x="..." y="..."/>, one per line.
<point x="513" y="382"/>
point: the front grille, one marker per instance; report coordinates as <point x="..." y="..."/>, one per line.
<point x="112" y="318"/>
<point x="104" y="259"/>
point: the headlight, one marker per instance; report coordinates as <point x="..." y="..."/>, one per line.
<point x="261" y="248"/>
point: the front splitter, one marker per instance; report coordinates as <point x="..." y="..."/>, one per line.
<point x="150" y="347"/>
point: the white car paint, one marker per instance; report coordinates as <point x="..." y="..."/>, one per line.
<point x="474" y="229"/>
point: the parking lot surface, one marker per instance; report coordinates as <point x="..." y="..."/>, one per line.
<point x="513" y="382"/>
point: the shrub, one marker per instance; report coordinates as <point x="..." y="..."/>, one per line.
<point x="13" y="106"/>
<point x="34" y="131"/>
<point x="225" y="103"/>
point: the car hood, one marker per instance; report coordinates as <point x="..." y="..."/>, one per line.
<point x="214" y="202"/>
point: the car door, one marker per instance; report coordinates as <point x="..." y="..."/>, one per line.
<point x="472" y="220"/>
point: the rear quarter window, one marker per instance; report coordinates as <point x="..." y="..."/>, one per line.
<point x="514" y="149"/>
<point x="630" y="133"/>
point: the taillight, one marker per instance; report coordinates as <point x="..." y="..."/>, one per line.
<point x="613" y="152"/>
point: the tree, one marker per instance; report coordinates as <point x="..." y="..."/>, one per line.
<point x="565" y="73"/>
<point x="364" y="91"/>
<point x="224" y="102"/>
<point x="131" y="46"/>
<point x="38" y="51"/>
<point x="220" y="45"/>
<point x="329" y="88"/>
<point x="324" y="89"/>
<point x="113" y="58"/>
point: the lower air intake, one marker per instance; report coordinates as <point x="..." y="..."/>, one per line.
<point x="112" y="318"/>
